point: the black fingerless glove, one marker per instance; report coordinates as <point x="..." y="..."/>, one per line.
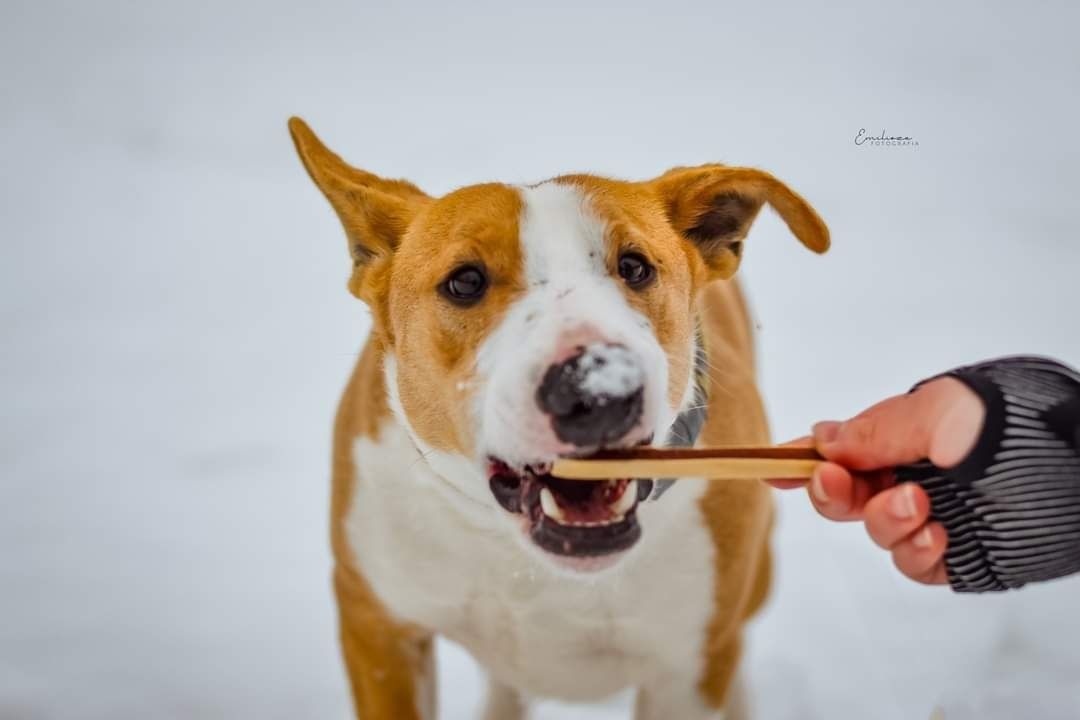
<point x="1012" y="507"/>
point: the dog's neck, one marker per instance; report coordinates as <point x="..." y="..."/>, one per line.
<point x="687" y="426"/>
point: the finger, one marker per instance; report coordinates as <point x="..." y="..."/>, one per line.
<point x="959" y="424"/>
<point x="894" y="514"/>
<point x="868" y="485"/>
<point x="841" y="495"/>
<point x="940" y="421"/>
<point x="836" y="493"/>
<point x="787" y="483"/>
<point x="938" y="576"/>
<point x="892" y="432"/>
<point x="830" y="489"/>
<point x="921" y="556"/>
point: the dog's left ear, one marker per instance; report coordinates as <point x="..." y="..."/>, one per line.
<point x="713" y="206"/>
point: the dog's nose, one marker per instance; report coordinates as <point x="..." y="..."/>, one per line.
<point x="595" y="397"/>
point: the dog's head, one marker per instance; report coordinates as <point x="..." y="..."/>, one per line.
<point x="521" y="324"/>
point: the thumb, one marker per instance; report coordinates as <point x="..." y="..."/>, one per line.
<point x="940" y="421"/>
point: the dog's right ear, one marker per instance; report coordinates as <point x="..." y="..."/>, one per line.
<point x="375" y="211"/>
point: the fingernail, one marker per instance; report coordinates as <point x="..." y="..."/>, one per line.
<point x="826" y="432"/>
<point x="924" y="538"/>
<point x="817" y="489"/>
<point x="902" y="502"/>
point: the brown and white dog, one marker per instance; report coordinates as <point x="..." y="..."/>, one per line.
<point x="513" y="325"/>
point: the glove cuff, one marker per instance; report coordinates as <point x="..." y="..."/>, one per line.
<point x="1011" y="508"/>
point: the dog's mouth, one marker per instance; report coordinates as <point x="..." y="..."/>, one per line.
<point x="570" y="517"/>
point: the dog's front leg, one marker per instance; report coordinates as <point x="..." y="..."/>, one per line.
<point x="391" y="667"/>
<point x="503" y="702"/>
<point x="687" y="697"/>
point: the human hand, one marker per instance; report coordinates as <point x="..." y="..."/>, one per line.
<point x="940" y="421"/>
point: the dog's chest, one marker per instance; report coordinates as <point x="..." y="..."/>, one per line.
<point x="453" y="565"/>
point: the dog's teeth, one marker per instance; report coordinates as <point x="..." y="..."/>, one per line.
<point x="626" y="501"/>
<point x="549" y="506"/>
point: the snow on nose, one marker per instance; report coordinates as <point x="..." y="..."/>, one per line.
<point x="594" y="397"/>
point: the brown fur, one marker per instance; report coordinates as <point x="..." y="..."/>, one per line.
<point x="434" y="338"/>
<point x="690" y="223"/>
<point x="738" y="514"/>
<point x="384" y="658"/>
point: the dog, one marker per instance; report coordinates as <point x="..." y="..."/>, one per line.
<point x="513" y="325"/>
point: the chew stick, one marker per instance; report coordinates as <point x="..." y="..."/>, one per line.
<point x="719" y="463"/>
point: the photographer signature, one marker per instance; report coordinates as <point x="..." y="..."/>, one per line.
<point x="861" y="138"/>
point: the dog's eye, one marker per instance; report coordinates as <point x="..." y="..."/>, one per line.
<point x="465" y="286"/>
<point x="635" y="270"/>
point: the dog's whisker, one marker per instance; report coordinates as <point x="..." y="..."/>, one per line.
<point x="422" y="456"/>
<point x="674" y="433"/>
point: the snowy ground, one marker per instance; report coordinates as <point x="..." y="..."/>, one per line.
<point x="176" y="329"/>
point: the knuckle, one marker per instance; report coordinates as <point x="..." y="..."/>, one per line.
<point x="863" y="430"/>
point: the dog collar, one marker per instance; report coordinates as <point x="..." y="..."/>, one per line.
<point x="687" y="426"/>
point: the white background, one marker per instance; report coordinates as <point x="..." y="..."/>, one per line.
<point x="176" y="330"/>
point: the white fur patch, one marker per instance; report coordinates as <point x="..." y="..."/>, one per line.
<point x="535" y="628"/>
<point x="572" y="300"/>
<point x="462" y="480"/>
